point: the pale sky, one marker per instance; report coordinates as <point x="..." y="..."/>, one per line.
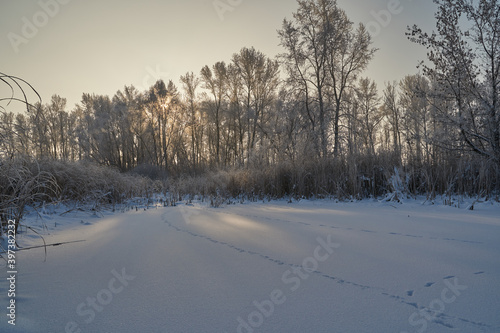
<point x="99" y="46"/>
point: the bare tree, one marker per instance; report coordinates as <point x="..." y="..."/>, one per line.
<point x="236" y="113"/>
<point x="306" y="43"/>
<point x="414" y="99"/>
<point x="465" y="63"/>
<point x="190" y="84"/>
<point x="369" y="112"/>
<point x="391" y="109"/>
<point x="214" y="80"/>
<point x="350" y="54"/>
<point x="126" y="107"/>
<point x="259" y="82"/>
<point x="325" y="53"/>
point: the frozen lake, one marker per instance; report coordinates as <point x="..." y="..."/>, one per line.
<point x="311" y="266"/>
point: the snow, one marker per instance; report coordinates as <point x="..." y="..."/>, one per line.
<point x="309" y="266"/>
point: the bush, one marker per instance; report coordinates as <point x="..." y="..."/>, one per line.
<point x="27" y="182"/>
<point x="354" y="177"/>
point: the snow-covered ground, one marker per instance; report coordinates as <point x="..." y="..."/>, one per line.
<point x="311" y="266"/>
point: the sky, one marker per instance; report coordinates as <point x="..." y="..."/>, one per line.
<point x="71" y="47"/>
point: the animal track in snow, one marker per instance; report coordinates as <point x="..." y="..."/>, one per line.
<point x="349" y="228"/>
<point x="442" y="319"/>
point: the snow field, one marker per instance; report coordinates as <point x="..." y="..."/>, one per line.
<point x="313" y="266"/>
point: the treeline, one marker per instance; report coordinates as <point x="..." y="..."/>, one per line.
<point x="304" y="124"/>
<point x="173" y="130"/>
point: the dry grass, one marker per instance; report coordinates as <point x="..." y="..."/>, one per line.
<point x="27" y="182"/>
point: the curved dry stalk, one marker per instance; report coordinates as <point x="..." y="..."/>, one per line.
<point x="12" y="82"/>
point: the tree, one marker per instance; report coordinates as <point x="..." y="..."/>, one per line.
<point x="214" y="81"/>
<point x="162" y="108"/>
<point x="7" y="135"/>
<point x="325" y="53"/>
<point x="190" y="84"/>
<point x="236" y="113"/>
<point x="390" y="108"/>
<point x="369" y="113"/>
<point x="464" y="56"/>
<point x="414" y="101"/>
<point x="22" y="129"/>
<point x="57" y="119"/>
<point x="350" y="54"/>
<point x="126" y="108"/>
<point x="259" y="82"/>
<point x="306" y="43"/>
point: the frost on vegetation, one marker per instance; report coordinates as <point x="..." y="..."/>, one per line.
<point x="85" y="186"/>
<point x="398" y="188"/>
